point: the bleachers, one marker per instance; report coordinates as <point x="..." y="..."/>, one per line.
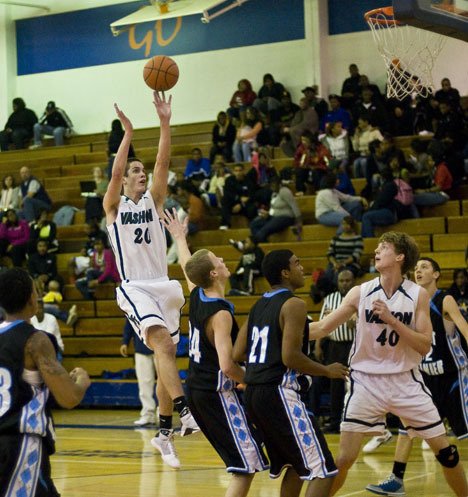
<point x="94" y="341"/>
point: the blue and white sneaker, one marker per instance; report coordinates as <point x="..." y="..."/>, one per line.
<point x="391" y="486"/>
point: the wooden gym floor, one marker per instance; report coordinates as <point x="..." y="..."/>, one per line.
<point x="99" y="454"/>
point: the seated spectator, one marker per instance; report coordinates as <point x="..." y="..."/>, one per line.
<point x="222" y="137"/>
<point x="250" y="266"/>
<point x="53" y="122"/>
<point x="336" y="113"/>
<point x="373" y="108"/>
<point x="448" y="94"/>
<point x="344" y="252"/>
<point x="239" y="191"/>
<point x="365" y="83"/>
<point x="214" y="195"/>
<point x="350" y="89"/>
<point x="48" y="322"/>
<point x="113" y="142"/>
<point x="93" y="204"/>
<point x="198" y="168"/>
<point x="93" y="233"/>
<point x="52" y="300"/>
<point x="459" y="290"/>
<point x="449" y="125"/>
<point x="246" y="136"/>
<point x="332" y="206"/>
<point x="336" y="140"/>
<point x="285" y="114"/>
<point x="14" y="237"/>
<point x="311" y="163"/>
<point x="43" y="229"/>
<point x="382" y="211"/>
<point x="42" y="266"/>
<point x="363" y="135"/>
<point x="11" y="194"/>
<point x="19" y="127"/>
<point x="419" y="162"/>
<point x="265" y="171"/>
<point x="318" y="103"/>
<point x="102" y="269"/>
<point x="305" y="120"/>
<point x="195" y="206"/>
<point x="440" y="181"/>
<point x="241" y="99"/>
<point x="401" y="120"/>
<point x="78" y="265"/>
<point x="34" y="197"/>
<point x="282" y="213"/>
<point x="269" y="96"/>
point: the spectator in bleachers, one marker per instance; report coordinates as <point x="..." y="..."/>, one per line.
<point x="53" y="122"/>
<point x="34" y="197"/>
<point x="52" y="301"/>
<point x="93" y="204"/>
<point x="285" y="114"/>
<point x="448" y="94"/>
<point x="11" y="194"/>
<point x="198" y="168"/>
<point x="193" y="204"/>
<point x="305" y="120"/>
<point x="439" y="183"/>
<point x="459" y="290"/>
<point x="316" y="102"/>
<point x="332" y="206"/>
<point x="382" y="211"/>
<point x="249" y="267"/>
<point x="14" y="237"/>
<point x="376" y="163"/>
<point x="19" y="127"/>
<point x="365" y="83"/>
<point x="268" y="99"/>
<point x="113" y="142"/>
<point x="311" y="163"/>
<point x="336" y="140"/>
<point x="336" y="113"/>
<point x="48" y="322"/>
<point x="419" y="161"/>
<point x="42" y="266"/>
<point x="282" y="212"/>
<point x="241" y="99"/>
<point x="214" y="195"/>
<point x="43" y="229"/>
<point x="373" y="108"/>
<point x="222" y="137"/>
<point x="78" y="265"/>
<point x="363" y="135"/>
<point x="350" y="89"/>
<point x="450" y="125"/>
<point x="239" y="191"/>
<point x="102" y="269"/>
<point x="264" y="169"/>
<point x="401" y="120"/>
<point x="246" y="136"/>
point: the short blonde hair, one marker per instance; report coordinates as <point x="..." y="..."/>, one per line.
<point x="199" y="267"/>
<point x="404" y="244"/>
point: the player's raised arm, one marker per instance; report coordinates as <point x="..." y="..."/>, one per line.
<point x="179" y="232"/>
<point x="112" y="197"/>
<point x="161" y="167"/>
<point x="348" y="307"/>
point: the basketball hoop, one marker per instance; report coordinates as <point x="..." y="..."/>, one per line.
<point x="409" y="53"/>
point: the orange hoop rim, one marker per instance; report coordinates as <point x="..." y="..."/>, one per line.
<point x="372" y="16"/>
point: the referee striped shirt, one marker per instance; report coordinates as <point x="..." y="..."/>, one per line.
<point x="342" y="333"/>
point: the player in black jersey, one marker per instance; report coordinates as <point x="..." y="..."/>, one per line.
<point x="29" y="372"/>
<point x="444" y="369"/>
<point x="213" y="374"/>
<point x="274" y="342"/>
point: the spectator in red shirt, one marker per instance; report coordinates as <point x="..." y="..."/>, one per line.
<point x="241" y="99"/>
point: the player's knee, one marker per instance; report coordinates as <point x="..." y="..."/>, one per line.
<point x="345" y="460"/>
<point x="448" y="457"/>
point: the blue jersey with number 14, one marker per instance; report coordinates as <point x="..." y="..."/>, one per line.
<point x="138" y="240"/>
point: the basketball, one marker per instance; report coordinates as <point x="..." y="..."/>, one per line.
<point x="160" y="73"/>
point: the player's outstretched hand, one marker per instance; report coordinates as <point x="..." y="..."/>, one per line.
<point x="172" y="223"/>
<point x="163" y="107"/>
<point x="338" y="371"/>
<point x="127" y="124"/>
<point x="81" y="377"/>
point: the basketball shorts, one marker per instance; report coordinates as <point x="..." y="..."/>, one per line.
<point x="149" y="303"/>
<point x="222" y="419"/>
<point x="291" y="434"/>
<point x="450" y="394"/>
<point x="372" y="396"/>
<point x="25" y="467"/>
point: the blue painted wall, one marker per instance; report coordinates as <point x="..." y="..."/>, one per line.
<point x="347" y="16"/>
<point x="83" y="38"/>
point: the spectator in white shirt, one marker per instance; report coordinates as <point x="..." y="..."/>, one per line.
<point x="47" y="322"/>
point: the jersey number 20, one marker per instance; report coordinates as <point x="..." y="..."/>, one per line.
<point x="139" y="236"/>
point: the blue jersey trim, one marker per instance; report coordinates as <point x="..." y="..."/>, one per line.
<point x="11" y="325"/>
<point x="205" y="298"/>
<point x="433" y="306"/>
<point x="275" y="292"/>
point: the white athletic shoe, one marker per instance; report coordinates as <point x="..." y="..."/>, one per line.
<point x="375" y="442"/>
<point x="188" y="425"/>
<point x="165" y="445"/>
<point x="425" y="445"/>
<point x="144" y="421"/>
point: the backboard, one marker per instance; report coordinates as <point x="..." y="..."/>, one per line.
<point x="446" y="17"/>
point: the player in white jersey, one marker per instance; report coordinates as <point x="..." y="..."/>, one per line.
<point x="151" y="302"/>
<point x="393" y="333"/>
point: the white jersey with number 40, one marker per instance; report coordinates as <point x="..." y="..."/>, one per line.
<point x="377" y="348"/>
<point x="138" y="240"/>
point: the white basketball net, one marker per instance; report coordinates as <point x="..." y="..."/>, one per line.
<point x="409" y="53"/>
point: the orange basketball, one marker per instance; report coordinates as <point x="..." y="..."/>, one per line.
<point x="160" y="73"/>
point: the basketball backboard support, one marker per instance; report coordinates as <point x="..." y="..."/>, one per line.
<point x="209" y="9"/>
<point x="446" y="17"/>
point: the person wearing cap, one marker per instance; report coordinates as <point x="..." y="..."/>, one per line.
<point x="53" y="122"/>
<point x="318" y="103"/>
